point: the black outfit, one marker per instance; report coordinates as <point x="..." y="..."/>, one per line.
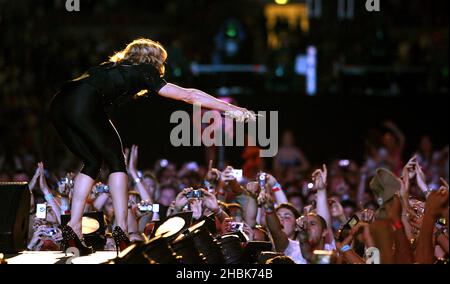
<point x="79" y="111"/>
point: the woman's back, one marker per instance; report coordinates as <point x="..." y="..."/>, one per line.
<point x="118" y="82"/>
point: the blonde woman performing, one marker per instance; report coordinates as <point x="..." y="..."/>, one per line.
<point x="77" y="112"/>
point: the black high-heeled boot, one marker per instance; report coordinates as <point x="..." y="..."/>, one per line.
<point x="121" y="240"/>
<point x="70" y="239"/>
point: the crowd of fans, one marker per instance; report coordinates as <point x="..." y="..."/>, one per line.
<point x="382" y="211"/>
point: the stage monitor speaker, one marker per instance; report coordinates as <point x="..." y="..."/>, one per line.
<point x="14" y="216"/>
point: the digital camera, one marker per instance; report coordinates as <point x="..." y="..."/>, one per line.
<point x="344" y="231"/>
<point x="196" y="193"/>
<point x="66" y="181"/>
<point x="236" y="226"/>
<point x="149" y="208"/>
<point x="101" y="188"/>
<point x="262" y="180"/>
<point x="50" y="232"/>
<point x="237" y="173"/>
<point x="209" y="186"/>
<point x="41" y="210"/>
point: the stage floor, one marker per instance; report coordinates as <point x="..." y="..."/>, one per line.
<point x="58" y="257"/>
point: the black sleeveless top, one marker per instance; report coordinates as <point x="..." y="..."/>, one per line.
<point x="119" y="82"/>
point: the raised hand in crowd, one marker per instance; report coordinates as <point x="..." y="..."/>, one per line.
<point x="253" y="189"/>
<point x="319" y="178"/>
<point x="408" y="174"/>
<point x="436" y="206"/>
<point x="302" y="228"/>
<point x="273" y="186"/>
<point x="196" y="206"/>
<point x="421" y="180"/>
<point x="141" y="204"/>
<point x="251" y="207"/>
<point x="47" y="193"/>
<point x="213" y="177"/>
<point x="345" y="247"/>
<point x="366" y="215"/>
<point x="211" y="203"/>
<point x="230" y="181"/>
<point x="42" y="234"/>
<point x="144" y="192"/>
<point x="181" y="200"/>
<point x="34" y="179"/>
<point x="36" y="239"/>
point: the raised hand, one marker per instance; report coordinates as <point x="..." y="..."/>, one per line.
<point x="196" y="207"/>
<point x="367" y="215"/>
<point x="241" y="115"/>
<point x="42" y="182"/>
<point x="213" y="174"/>
<point x="302" y="228"/>
<point x="40" y="231"/>
<point x="37" y="237"/>
<point x="132" y="165"/>
<point x="444" y="183"/>
<point x="363" y="229"/>
<point x="437" y="202"/>
<point x="271" y="180"/>
<point x="38" y="169"/>
<point x="253" y="188"/>
<point x="210" y="201"/>
<point x="319" y="177"/>
<point x="409" y="170"/>
<point x="181" y="199"/>
<point x="57" y="237"/>
<point x="226" y="225"/>
<point x="266" y="199"/>
<point x="308" y="209"/>
<point x="34" y="179"/>
<point x="227" y="174"/>
<point x="421" y="179"/>
<point x="135" y="207"/>
<point x="408" y="173"/>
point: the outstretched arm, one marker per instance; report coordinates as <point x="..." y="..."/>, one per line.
<point x="319" y="177"/>
<point x="280" y="239"/>
<point x="436" y="204"/>
<point x="194" y="96"/>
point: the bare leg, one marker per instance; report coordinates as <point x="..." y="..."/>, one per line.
<point x="82" y="188"/>
<point x="118" y="188"/>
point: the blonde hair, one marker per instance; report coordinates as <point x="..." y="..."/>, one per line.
<point x="143" y="50"/>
